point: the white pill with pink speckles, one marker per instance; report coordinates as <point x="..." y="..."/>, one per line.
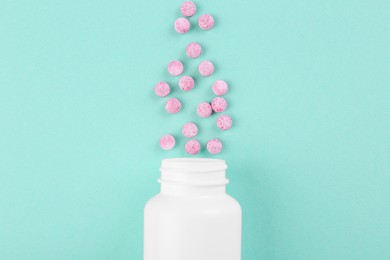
<point x="204" y="109"/>
<point x="214" y="146"/>
<point x="175" y="68"/>
<point x="206" y="68"/>
<point x="167" y="142"/>
<point x="188" y="8"/>
<point x="192" y="147"/>
<point x="186" y="83"/>
<point x="189" y="130"/>
<point x="218" y="104"/>
<point x="173" y="105"/>
<point x="224" y="122"/>
<point x="220" y="87"/>
<point x="162" y="89"/>
<point x="206" y="22"/>
<point x="182" y="25"/>
<point x="193" y="50"/>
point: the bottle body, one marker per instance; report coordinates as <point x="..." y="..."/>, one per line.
<point x="192" y="218"/>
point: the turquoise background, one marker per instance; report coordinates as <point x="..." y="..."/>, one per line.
<point x="308" y="154"/>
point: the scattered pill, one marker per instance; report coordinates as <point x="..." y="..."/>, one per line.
<point x="204" y="109"/>
<point x="162" y="89"/>
<point x="206" y="22"/>
<point x="192" y="147"/>
<point x="167" y="142"/>
<point x="175" y="68"/>
<point x="224" y="122"/>
<point x="220" y="87"/>
<point x="190" y="130"/>
<point x="182" y="25"/>
<point x="214" y="146"/>
<point x="186" y="83"/>
<point x="218" y="104"/>
<point x="173" y="105"/>
<point x="206" y="68"/>
<point x="188" y="8"/>
<point x="193" y="50"/>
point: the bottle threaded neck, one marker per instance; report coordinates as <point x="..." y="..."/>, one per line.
<point x="193" y="172"/>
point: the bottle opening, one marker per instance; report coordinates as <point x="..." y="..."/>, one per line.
<point x="193" y="171"/>
<point x="199" y="165"/>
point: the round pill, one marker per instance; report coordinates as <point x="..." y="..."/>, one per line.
<point x="220" y="88"/>
<point x="206" y="68"/>
<point x="224" y="122"/>
<point x="175" y="68"/>
<point x="186" y="83"/>
<point x="188" y="8"/>
<point x="167" y="142"/>
<point x="193" y="50"/>
<point x="162" y="89"/>
<point x="182" y="25"/>
<point x="204" y="109"/>
<point x="192" y="147"/>
<point x="218" y="104"/>
<point x="214" y="146"/>
<point x="173" y="105"/>
<point x="190" y="130"/>
<point x="206" y="22"/>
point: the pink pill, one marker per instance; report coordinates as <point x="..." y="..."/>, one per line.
<point x="214" y="146"/>
<point x="206" y="68"/>
<point x="206" y="22"/>
<point x="220" y="87"/>
<point x="204" y="109"/>
<point x="188" y="8"/>
<point x="192" y="147"/>
<point x="186" y="83"/>
<point x="218" y="104"/>
<point x="224" y="122"/>
<point x="182" y="25"/>
<point x="175" y="68"/>
<point x="173" y="105"/>
<point x="194" y="50"/>
<point x="190" y="130"/>
<point x="167" y="142"/>
<point x="162" y="89"/>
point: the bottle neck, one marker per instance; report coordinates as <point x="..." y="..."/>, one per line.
<point x="193" y="177"/>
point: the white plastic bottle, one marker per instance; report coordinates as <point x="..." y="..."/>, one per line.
<point x="192" y="218"/>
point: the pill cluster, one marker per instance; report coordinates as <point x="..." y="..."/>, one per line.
<point x="186" y="83"/>
<point x="188" y="9"/>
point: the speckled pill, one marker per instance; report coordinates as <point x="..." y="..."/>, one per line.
<point x="175" y="68"/>
<point x="167" y="142"/>
<point x="192" y="147"/>
<point x="224" y="122"/>
<point x="189" y="130"/>
<point x="162" y="89"/>
<point x="214" y="146"/>
<point x="182" y="25"/>
<point x="173" y="105"/>
<point x="220" y="87"/>
<point x="206" y="68"/>
<point x="206" y="22"/>
<point x="193" y="50"/>
<point x="204" y="109"/>
<point x="188" y="8"/>
<point x="186" y="83"/>
<point x="218" y="104"/>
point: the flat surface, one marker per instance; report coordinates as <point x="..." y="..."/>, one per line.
<point x="308" y="154"/>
